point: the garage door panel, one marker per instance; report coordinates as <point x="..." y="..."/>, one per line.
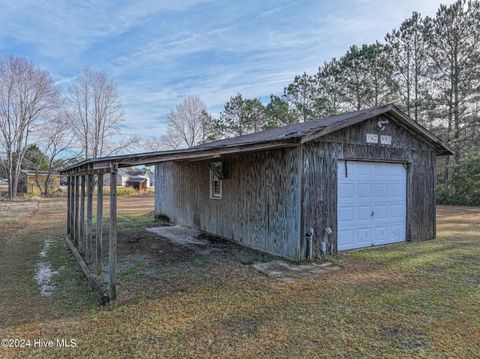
<point x="364" y="235"/>
<point x="364" y="190"/>
<point x="381" y="170"/>
<point x="381" y="233"/>
<point x="348" y="237"/>
<point x="396" y="170"/>
<point x="397" y="232"/>
<point x="397" y="211"/>
<point x="346" y="213"/>
<point x="380" y="212"/>
<point x="363" y="212"/>
<point x="364" y="170"/>
<point x="346" y="191"/>
<point x="371" y="204"/>
<point x="397" y="190"/>
<point x="381" y="190"/>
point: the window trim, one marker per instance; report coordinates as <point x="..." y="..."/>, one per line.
<point x="214" y="179"/>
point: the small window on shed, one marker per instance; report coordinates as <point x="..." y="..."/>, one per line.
<point x="215" y="180"/>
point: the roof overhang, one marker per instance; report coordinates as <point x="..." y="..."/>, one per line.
<point x="104" y="164"/>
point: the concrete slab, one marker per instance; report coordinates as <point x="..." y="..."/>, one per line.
<point x="180" y="235"/>
<point x="289" y="272"/>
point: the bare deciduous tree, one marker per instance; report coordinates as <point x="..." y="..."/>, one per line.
<point x="27" y="94"/>
<point x="98" y="114"/>
<point x="186" y="124"/>
<point x="162" y="143"/>
<point x="55" y="139"/>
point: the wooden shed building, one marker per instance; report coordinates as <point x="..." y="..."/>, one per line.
<point x="353" y="180"/>
<point x="348" y="181"/>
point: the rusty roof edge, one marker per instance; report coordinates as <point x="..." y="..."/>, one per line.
<point x="149" y="161"/>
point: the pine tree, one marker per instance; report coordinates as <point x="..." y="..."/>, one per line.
<point x="278" y="113"/>
<point x="353" y="79"/>
<point x="453" y="37"/>
<point x="330" y="88"/>
<point x="366" y="76"/>
<point x="242" y="116"/>
<point x="409" y="60"/>
<point x="302" y="97"/>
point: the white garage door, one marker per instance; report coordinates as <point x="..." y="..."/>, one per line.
<point x="371" y="203"/>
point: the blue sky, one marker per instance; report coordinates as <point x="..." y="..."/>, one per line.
<point x="159" y="51"/>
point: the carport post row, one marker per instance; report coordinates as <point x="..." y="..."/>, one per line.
<point x="86" y="247"/>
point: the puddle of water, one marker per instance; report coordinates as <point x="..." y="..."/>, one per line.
<point x="43" y="277"/>
<point x="46" y="245"/>
<point x="44" y="272"/>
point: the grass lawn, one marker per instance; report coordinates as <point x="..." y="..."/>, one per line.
<point x="407" y="300"/>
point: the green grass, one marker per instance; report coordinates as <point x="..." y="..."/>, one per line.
<point x="400" y="301"/>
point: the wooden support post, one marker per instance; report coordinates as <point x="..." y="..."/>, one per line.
<point x="99" y="233"/>
<point x="81" y="232"/>
<point x="88" y="233"/>
<point x="112" y="233"/>
<point x="71" y="209"/>
<point x="68" y="206"/>
<point x="77" y="211"/>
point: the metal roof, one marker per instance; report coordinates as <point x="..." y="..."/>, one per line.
<point x="274" y="138"/>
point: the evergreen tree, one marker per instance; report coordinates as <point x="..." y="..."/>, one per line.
<point x="35" y="159"/>
<point x="409" y="60"/>
<point x="453" y="38"/>
<point x="302" y="97"/>
<point x="242" y="116"/>
<point x="366" y="76"/>
<point x="278" y="113"/>
<point x="330" y="88"/>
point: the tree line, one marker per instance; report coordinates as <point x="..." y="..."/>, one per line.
<point x="427" y="66"/>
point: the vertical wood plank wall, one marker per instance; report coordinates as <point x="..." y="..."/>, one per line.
<point x="260" y="207"/>
<point x="320" y="176"/>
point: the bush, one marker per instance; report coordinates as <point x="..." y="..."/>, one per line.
<point x="121" y="191"/>
<point x="463" y="188"/>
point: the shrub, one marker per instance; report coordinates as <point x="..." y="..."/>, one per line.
<point x="121" y="191"/>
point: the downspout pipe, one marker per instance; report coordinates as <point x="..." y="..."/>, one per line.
<point x="326" y="233"/>
<point x="309" y="238"/>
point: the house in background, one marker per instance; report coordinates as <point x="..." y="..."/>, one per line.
<point x="29" y="182"/>
<point x="137" y="178"/>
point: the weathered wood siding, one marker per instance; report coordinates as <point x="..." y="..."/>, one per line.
<point x="260" y="207"/>
<point x="320" y="176"/>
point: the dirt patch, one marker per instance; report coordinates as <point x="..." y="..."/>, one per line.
<point x="181" y="243"/>
<point x="209" y="238"/>
<point x="289" y="272"/>
<point x="152" y="247"/>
